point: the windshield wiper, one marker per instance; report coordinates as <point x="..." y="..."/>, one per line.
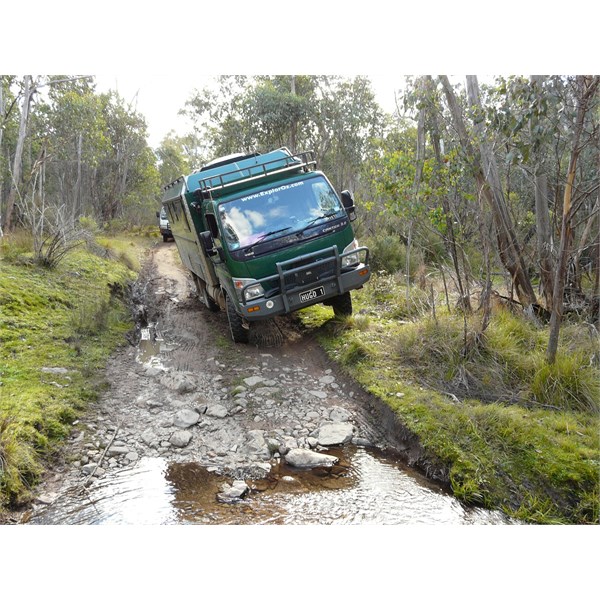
<point x="263" y="236"/>
<point x="326" y="215"/>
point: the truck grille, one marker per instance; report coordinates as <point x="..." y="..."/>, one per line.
<point x="310" y="272"/>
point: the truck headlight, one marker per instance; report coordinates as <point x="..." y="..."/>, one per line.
<point x="252" y="291"/>
<point x="353" y="259"/>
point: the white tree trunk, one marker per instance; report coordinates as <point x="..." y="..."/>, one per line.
<point x="18" y="160"/>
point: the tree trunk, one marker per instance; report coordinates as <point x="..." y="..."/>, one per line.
<point x="586" y="87"/>
<point x="542" y="216"/>
<point x="488" y="181"/>
<point x="420" y="160"/>
<point x="449" y="238"/>
<point x="17" y="163"/>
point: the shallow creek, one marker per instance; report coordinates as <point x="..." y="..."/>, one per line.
<point x="368" y="489"/>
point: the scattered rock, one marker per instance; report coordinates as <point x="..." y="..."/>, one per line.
<point x="149" y="438"/>
<point x="307" y="459"/>
<point x="180" y="439"/>
<point x="234" y="492"/>
<point x="334" y="434"/>
<point x="217" y="410"/>
<point x="339" y="414"/>
<point x="186" y="418"/>
<point x="177" y="381"/>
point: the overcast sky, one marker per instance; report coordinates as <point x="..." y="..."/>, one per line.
<point x="158" y="54"/>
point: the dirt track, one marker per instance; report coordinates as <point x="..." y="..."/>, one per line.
<point x="184" y="392"/>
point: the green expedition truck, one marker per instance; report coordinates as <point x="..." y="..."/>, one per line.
<point x="265" y="235"/>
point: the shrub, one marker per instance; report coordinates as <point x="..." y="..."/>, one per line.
<point x="567" y="384"/>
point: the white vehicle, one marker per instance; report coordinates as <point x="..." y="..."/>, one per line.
<point x="163" y="225"/>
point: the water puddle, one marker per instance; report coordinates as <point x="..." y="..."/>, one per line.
<point x="150" y="346"/>
<point x="367" y="489"/>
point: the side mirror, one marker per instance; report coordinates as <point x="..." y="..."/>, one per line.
<point x="208" y="243"/>
<point x="158" y="214"/>
<point x="348" y="202"/>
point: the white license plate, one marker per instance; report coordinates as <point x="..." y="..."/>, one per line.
<point x="312" y="294"/>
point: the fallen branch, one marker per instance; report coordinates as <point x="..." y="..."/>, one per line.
<point x="86" y="482"/>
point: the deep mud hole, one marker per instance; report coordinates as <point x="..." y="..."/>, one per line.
<point x="181" y="357"/>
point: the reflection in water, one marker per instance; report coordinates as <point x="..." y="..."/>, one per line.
<point x="381" y="494"/>
<point x="372" y="490"/>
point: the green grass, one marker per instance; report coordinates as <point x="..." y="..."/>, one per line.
<point x="511" y="432"/>
<point x="71" y="318"/>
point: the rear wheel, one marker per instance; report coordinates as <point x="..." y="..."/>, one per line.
<point x="342" y="305"/>
<point x="239" y="333"/>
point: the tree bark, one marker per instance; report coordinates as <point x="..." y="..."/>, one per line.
<point x="17" y="163"/>
<point x="542" y="216"/>
<point x="587" y="87"/>
<point x="449" y="238"/>
<point x="486" y="175"/>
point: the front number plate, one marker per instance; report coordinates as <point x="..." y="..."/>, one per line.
<point x="312" y="294"/>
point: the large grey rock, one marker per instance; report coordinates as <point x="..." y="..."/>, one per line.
<point x="303" y="458"/>
<point x="186" y="418"/>
<point x="180" y="439"/>
<point x="256" y="444"/>
<point x="177" y="381"/>
<point x="339" y="414"/>
<point x="149" y="438"/>
<point x="233" y="492"/>
<point x="333" y="434"/>
<point x="216" y="410"/>
<point x="252" y="381"/>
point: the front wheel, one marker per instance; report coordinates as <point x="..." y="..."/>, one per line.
<point x="239" y="334"/>
<point x="342" y="305"/>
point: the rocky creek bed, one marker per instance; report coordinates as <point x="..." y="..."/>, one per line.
<point x="182" y="392"/>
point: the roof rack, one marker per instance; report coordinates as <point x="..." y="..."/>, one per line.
<point x="243" y="174"/>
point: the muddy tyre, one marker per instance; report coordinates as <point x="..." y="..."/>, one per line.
<point x="342" y="305"/>
<point x="239" y="334"/>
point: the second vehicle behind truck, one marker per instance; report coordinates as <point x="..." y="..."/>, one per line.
<point x="265" y="235"/>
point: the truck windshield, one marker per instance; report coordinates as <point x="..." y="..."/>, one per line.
<point x="284" y="209"/>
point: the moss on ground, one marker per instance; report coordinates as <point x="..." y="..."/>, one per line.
<point x="57" y="328"/>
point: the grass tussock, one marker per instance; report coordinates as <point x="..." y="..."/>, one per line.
<point x="57" y="328"/>
<point x="513" y="432"/>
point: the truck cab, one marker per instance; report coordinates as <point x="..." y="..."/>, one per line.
<point x="265" y="235"/>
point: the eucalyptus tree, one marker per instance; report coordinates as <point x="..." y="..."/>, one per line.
<point x="15" y="179"/>
<point x="127" y="180"/>
<point x="173" y="158"/>
<point x="586" y="88"/>
<point x="485" y="173"/>
<point x="333" y="116"/>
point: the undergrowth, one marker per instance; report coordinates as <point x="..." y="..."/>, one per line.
<point x="513" y="432"/>
<point x="57" y="328"/>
